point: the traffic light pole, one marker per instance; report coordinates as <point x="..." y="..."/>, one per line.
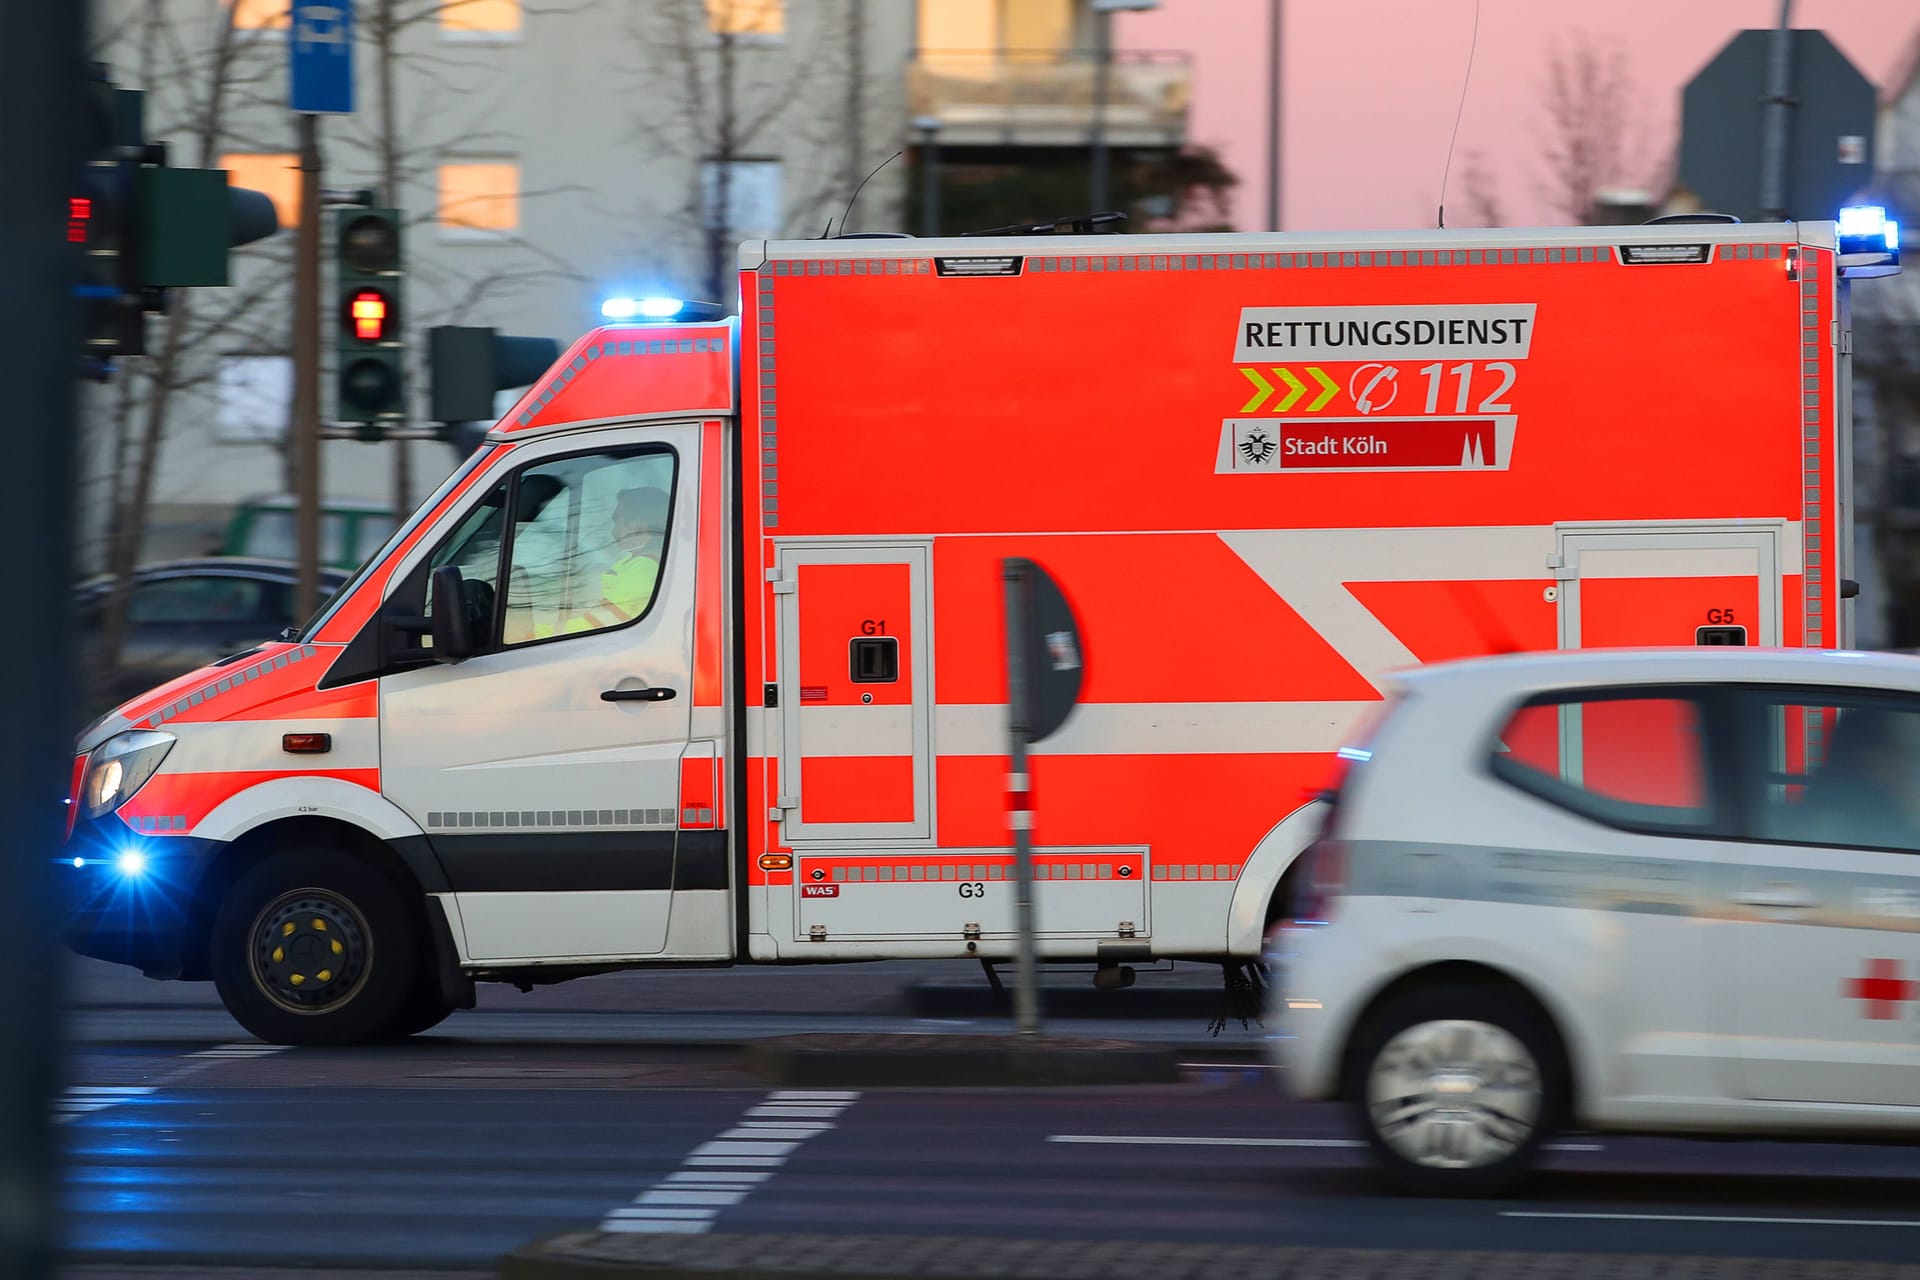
<point x="306" y="373"/>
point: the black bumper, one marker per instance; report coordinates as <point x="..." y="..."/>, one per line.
<point x="144" y="918"/>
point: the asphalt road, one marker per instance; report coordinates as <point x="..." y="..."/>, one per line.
<point x="189" y="1144"/>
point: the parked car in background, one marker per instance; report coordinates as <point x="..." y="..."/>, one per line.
<point x="266" y="528"/>
<point x="186" y="613"/>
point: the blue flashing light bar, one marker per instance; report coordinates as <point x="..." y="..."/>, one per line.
<point x="131" y="863"/>
<point x="1869" y="221"/>
<point x="651" y="308"/>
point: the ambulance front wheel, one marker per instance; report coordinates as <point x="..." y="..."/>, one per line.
<point x="312" y="947"/>
<point x="1456" y="1087"/>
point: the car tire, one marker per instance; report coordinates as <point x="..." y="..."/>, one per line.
<point x="314" y="947"/>
<point x="1456" y="1088"/>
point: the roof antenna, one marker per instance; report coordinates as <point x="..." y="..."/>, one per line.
<point x="862" y="187"/>
<point x="1466" y="80"/>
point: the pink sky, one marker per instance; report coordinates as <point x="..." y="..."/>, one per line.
<point x="1372" y="86"/>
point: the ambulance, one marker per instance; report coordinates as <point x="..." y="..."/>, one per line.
<point x="1265" y="470"/>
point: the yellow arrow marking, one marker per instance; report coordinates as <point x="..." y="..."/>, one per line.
<point x="1295" y="389"/>
<point x="1328" y="388"/>
<point x="1263" y="389"/>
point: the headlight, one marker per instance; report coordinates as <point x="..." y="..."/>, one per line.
<point x="119" y="767"/>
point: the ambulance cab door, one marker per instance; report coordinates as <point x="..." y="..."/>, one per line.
<point x="546" y="769"/>
<point x="855" y="695"/>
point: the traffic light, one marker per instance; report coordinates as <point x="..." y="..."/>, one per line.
<point x="370" y="377"/>
<point x="467" y="365"/>
<point x="143" y="228"/>
<point x="102" y="227"/>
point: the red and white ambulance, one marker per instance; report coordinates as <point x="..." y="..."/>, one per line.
<point x="1265" y="468"/>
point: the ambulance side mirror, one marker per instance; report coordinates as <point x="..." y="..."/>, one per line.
<point x="452" y="633"/>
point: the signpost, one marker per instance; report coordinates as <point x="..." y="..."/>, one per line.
<point x="1044" y="668"/>
<point x="320" y="82"/>
<point x="320" y="53"/>
<point x="1779" y="125"/>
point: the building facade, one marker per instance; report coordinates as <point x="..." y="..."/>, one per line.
<point x="548" y="154"/>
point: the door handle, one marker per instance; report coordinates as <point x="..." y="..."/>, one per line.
<point x="636" y="695"/>
<point x="1778" y="897"/>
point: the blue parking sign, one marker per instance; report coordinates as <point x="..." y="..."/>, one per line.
<point x="320" y="56"/>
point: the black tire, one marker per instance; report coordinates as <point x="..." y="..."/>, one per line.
<point x="314" y="947"/>
<point x="423" y="1010"/>
<point x="1456" y="1088"/>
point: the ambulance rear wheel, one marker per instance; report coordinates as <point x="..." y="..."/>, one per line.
<point x="424" y="1009"/>
<point x="1456" y="1088"/>
<point x="312" y="947"/>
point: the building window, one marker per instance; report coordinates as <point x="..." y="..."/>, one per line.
<point x="255" y="392"/>
<point x="479" y="198"/>
<point x="742" y="197"/>
<point x="260" y="15"/>
<point x="764" y="18"/>
<point x="276" y="175"/>
<point x="480" y="19"/>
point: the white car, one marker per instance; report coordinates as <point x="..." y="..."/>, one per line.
<point x="1659" y="891"/>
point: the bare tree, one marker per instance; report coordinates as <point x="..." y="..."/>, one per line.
<point x="1587" y="124"/>
<point x="1481" y="191"/>
<point x="404" y="146"/>
<point x="209" y="72"/>
<point x="742" y="98"/>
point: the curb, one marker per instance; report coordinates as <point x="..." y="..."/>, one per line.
<point x="953" y="1000"/>
<point x="947" y="1060"/>
<point x="591" y="1255"/>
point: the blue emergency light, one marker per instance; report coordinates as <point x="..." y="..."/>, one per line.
<point x="1869" y="241"/>
<point x="650" y="308"/>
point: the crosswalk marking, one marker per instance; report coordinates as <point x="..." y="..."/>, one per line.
<point x="687" y="1201"/>
<point x="85" y="1099"/>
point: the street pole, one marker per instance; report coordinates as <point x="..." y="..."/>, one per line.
<point x="929" y="127"/>
<point x="1026" y="989"/>
<point x="42" y="47"/>
<point x="1777" y="107"/>
<point x="1275" y="28"/>
<point x="1102" y="64"/>
<point x="306" y="373"/>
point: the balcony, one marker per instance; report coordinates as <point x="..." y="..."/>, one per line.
<point x="1045" y="98"/>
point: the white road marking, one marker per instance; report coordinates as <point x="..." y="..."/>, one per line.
<point x="84" y="1099"/>
<point x="677" y="1196"/>
<point x="721" y="1173"/>
<point x="811" y="1095"/>
<point x="1227" y="1066"/>
<point x="1711" y="1217"/>
<point x="1161" y="1140"/>
<point x="746" y="1149"/>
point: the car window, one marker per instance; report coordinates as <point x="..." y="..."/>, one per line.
<point x="196" y="599"/>
<point x="274" y="534"/>
<point x="1836" y="770"/>
<point x="370" y="534"/>
<point x="474" y="548"/>
<point x="589" y="543"/>
<point x="1634" y="760"/>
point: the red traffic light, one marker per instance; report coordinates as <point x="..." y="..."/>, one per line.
<point x="369" y="312"/>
